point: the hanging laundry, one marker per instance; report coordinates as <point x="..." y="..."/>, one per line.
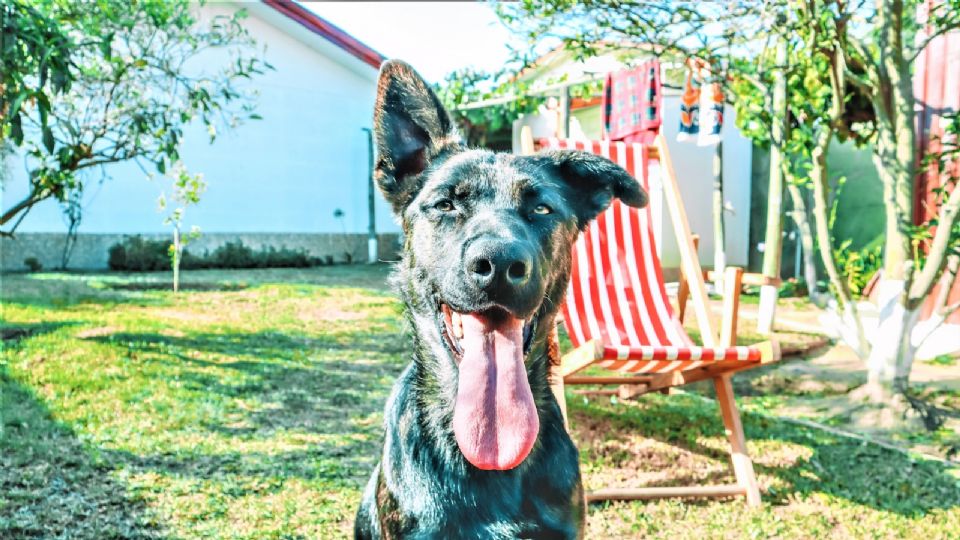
<point x="632" y="102"/>
<point x="711" y="114"/>
<point x="690" y="107"/>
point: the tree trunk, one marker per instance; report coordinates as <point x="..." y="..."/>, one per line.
<point x="719" y="242"/>
<point x="177" y="250"/>
<point x="849" y="316"/>
<point x="773" y="239"/>
<point x="892" y="352"/>
<point x="799" y="216"/>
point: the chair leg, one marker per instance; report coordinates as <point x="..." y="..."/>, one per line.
<point x="742" y="466"/>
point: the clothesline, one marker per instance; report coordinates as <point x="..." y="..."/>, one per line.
<point x="540" y="91"/>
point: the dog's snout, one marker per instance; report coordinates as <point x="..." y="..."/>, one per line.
<point x="501" y="268"/>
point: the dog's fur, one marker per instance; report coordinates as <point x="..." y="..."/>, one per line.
<point x="423" y="486"/>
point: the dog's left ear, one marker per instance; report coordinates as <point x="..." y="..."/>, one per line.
<point x="411" y="127"/>
<point x="594" y="181"/>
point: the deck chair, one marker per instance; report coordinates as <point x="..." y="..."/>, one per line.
<point x="618" y="315"/>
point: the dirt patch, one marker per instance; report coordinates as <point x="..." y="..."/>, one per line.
<point x="328" y="312"/>
<point x="190" y="316"/>
<point x="163" y="286"/>
<point x="100" y="331"/>
<point x="624" y="459"/>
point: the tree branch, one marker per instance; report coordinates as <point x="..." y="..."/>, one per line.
<point x="939" y="248"/>
<point x="944" y="24"/>
<point x="22" y="206"/>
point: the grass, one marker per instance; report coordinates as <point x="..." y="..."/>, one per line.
<point x="249" y="406"/>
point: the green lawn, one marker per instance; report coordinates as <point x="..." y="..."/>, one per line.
<point x="249" y="406"/>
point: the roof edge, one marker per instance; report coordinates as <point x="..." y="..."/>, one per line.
<point x="320" y="26"/>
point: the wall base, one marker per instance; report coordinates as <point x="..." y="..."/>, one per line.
<point x="90" y="252"/>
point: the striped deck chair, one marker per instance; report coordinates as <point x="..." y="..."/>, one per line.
<point x="618" y="315"/>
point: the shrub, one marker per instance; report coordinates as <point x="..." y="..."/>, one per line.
<point x="233" y="255"/>
<point x="793" y="287"/>
<point x="33" y="264"/>
<point x="138" y="255"/>
<point x="859" y="266"/>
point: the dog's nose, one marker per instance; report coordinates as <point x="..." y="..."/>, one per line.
<point x="500" y="268"/>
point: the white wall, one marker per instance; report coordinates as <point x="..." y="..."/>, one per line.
<point x="285" y="173"/>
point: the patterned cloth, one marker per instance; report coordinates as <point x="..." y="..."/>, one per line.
<point x="631" y="103"/>
<point x="690" y="108"/>
<point x="711" y="115"/>
<point x="701" y="106"/>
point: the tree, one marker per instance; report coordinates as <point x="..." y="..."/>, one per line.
<point x="463" y="88"/>
<point x="844" y="54"/>
<point x="185" y="190"/>
<point x="128" y="79"/>
<point x="35" y="64"/>
<point x="878" y="65"/>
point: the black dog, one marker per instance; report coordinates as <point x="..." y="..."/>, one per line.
<point x="475" y="441"/>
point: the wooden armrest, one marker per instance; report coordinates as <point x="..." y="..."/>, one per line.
<point x="757" y="280"/>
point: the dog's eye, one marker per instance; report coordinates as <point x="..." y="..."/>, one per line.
<point x="542" y="209"/>
<point x="444" y="206"/>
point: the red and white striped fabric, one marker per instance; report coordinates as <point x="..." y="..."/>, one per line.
<point x="616" y="291"/>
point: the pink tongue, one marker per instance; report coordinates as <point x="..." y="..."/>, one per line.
<point x="494" y="418"/>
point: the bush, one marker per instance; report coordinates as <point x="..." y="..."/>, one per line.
<point x="138" y="255"/>
<point x="859" y="266"/>
<point x="33" y="264"/>
<point x="233" y="255"/>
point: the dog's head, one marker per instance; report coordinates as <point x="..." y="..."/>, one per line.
<point x="487" y="257"/>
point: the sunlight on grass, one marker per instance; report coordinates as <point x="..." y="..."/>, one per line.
<point x="256" y="413"/>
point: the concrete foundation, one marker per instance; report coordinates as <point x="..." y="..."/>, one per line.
<point x="90" y="252"/>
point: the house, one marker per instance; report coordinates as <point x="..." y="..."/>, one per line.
<point x="299" y="178"/>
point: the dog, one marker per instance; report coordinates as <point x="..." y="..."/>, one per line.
<point x="475" y="444"/>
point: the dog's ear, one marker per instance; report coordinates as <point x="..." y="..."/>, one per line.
<point x="411" y="128"/>
<point x="594" y="181"/>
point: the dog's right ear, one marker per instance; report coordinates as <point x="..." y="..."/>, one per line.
<point x="411" y="127"/>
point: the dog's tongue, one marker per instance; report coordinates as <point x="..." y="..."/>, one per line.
<point x="494" y="419"/>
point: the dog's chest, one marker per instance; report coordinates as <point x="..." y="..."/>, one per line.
<point x="541" y="500"/>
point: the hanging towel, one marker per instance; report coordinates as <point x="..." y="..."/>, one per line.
<point x="690" y="107"/>
<point x="631" y="103"/>
<point x="711" y="114"/>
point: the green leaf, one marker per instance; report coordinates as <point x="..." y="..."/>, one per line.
<point x="17" y="102"/>
<point x="162" y="166"/>
<point x="48" y="141"/>
<point x="105" y="45"/>
<point x="16" y="130"/>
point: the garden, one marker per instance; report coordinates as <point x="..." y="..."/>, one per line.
<point x="203" y="204"/>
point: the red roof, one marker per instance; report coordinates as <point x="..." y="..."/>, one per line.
<point x="320" y="26"/>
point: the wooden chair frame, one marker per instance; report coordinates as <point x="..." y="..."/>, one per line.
<point x="692" y="286"/>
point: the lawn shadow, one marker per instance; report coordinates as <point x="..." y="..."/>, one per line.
<point x="50" y="487"/>
<point x="13" y="333"/>
<point x="332" y="388"/>
<point x="862" y="473"/>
